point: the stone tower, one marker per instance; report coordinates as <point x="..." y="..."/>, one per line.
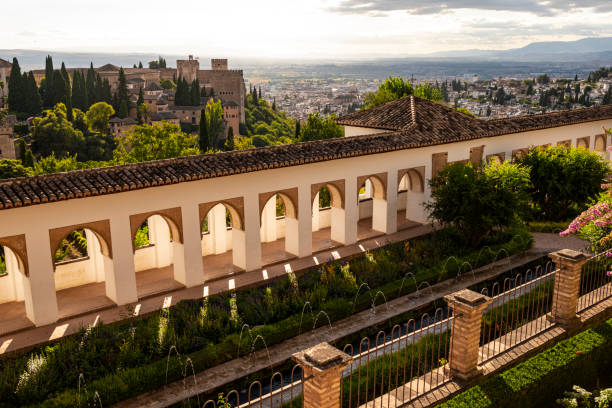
<point x="188" y="69"/>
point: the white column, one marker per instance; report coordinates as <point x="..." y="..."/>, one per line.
<point x="315" y="213"/>
<point x="39" y="288"/>
<point x="344" y="220"/>
<point x="120" y="277"/>
<point x="268" y="221"/>
<point x="247" y="244"/>
<point x="159" y="236"/>
<point x="95" y="267"/>
<point x="298" y="232"/>
<point x="188" y="268"/>
<point x="217" y="226"/>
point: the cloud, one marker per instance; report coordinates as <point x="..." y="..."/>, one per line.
<point x="428" y="7"/>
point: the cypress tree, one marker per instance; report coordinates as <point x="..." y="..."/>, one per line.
<point x="297" y="129"/>
<point x="274" y="105"/>
<point x="90" y="86"/>
<point x="229" y="141"/>
<point x="59" y="88"/>
<point x="195" y="93"/>
<point x="139" y="102"/>
<point x="255" y="96"/>
<point x="79" y="92"/>
<point x="34" y="101"/>
<point x="204" y="139"/>
<point x="68" y="91"/>
<point x="28" y="160"/>
<point x="16" y="89"/>
<point x="48" y="89"/>
<point x="139" y="64"/>
<point x="212" y="93"/>
<point x="106" y="95"/>
<point x="22" y="150"/>
<point x="259" y="92"/>
<point x="122" y="96"/>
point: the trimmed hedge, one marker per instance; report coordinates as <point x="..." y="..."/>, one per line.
<point x="553" y="227"/>
<point x="539" y="381"/>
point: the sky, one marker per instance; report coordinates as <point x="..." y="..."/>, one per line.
<point x="296" y="29"/>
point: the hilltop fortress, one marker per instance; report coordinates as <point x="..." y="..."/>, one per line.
<point x="227" y="84"/>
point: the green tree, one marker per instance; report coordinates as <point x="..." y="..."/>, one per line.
<point x="195" y="93"/>
<point x="98" y="116"/>
<point x="297" y="129"/>
<point x="90" y="85"/>
<point x="476" y="201"/>
<point x="59" y="88"/>
<point x="16" y="89"/>
<point x="54" y="133"/>
<point x="204" y="140"/>
<point x="48" y="89"/>
<point x="564" y="179"/>
<point x="139" y="102"/>
<point x="33" y="101"/>
<point x="168" y="84"/>
<point x="13" y="168"/>
<point x="214" y="121"/>
<point x="140" y="64"/>
<point x="428" y="91"/>
<point x="229" y="141"/>
<point x="318" y="128"/>
<point x="79" y="91"/>
<point x="21" y="146"/>
<point x="144" y="111"/>
<point x="123" y="101"/>
<point x="154" y="142"/>
<point x="28" y="160"/>
<point x="51" y="164"/>
<point x="391" y="89"/>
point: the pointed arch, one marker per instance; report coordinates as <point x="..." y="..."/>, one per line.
<point x="289" y="197"/>
<point x="379" y="184"/>
<point x="336" y="190"/>
<point x="235" y="207"/>
<point x="101" y="230"/>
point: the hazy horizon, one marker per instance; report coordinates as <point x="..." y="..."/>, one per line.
<point x="313" y="30"/>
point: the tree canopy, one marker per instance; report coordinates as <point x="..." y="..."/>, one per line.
<point x="154" y="142"/>
<point x="564" y="180"/>
<point x="478" y="200"/>
<point x="318" y="127"/>
<point x="394" y="88"/>
<point x="53" y="133"/>
<point x="13" y="168"/>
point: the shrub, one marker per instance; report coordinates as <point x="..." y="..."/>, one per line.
<point x="540" y="380"/>
<point x="478" y="201"/>
<point x="562" y="179"/>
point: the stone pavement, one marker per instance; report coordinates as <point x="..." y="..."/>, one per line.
<point x="553" y="242"/>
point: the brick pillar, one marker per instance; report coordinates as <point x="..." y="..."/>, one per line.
<point x="467" y="307"/>
<point x="322" y="365"/>
<point x="567" y="286"/>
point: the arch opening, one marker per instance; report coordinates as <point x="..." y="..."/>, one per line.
<point x="278" y="228"/>
<point x="372" y="208"/>
<point x="158" y="254"/>
<point x="410" y="198"/>
<point x="327" y="217"/>
<point x="12" y="273"/>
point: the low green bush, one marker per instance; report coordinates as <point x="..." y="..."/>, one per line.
<point x="553" y="227"/>
<point x="539" y="381"/>
<point x="127" y="358"/>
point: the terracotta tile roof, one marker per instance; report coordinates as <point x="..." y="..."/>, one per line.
<point x="425" y="124"/>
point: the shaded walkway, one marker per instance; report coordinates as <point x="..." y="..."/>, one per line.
<point x="19" y="332"/>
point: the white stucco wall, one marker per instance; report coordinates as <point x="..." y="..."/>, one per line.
<point x="35" y="221"/>
<point x="359" y="131"/>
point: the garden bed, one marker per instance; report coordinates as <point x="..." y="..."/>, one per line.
<point x="129" y="358"/>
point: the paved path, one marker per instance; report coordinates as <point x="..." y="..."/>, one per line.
<point x="546" y="241"/>
<point x="216" y="377"/>
<point x="33" y="336"/>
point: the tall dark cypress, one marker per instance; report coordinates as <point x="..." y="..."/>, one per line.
<point x="106" y="95"/>
<point x="16" y="89"/>
<point x="59" y="88"/>
<point x="138" y="104"/>
<point x="34" y="102"/>
<point x="122" y="95"/>
<point x="195" y="93"/>
<point x="48" y="89"/>
<point x="90" y="85"/>
<point x="79" y="96"/>
<point x="68" y="91"/>
<point x="204" y="139"/>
